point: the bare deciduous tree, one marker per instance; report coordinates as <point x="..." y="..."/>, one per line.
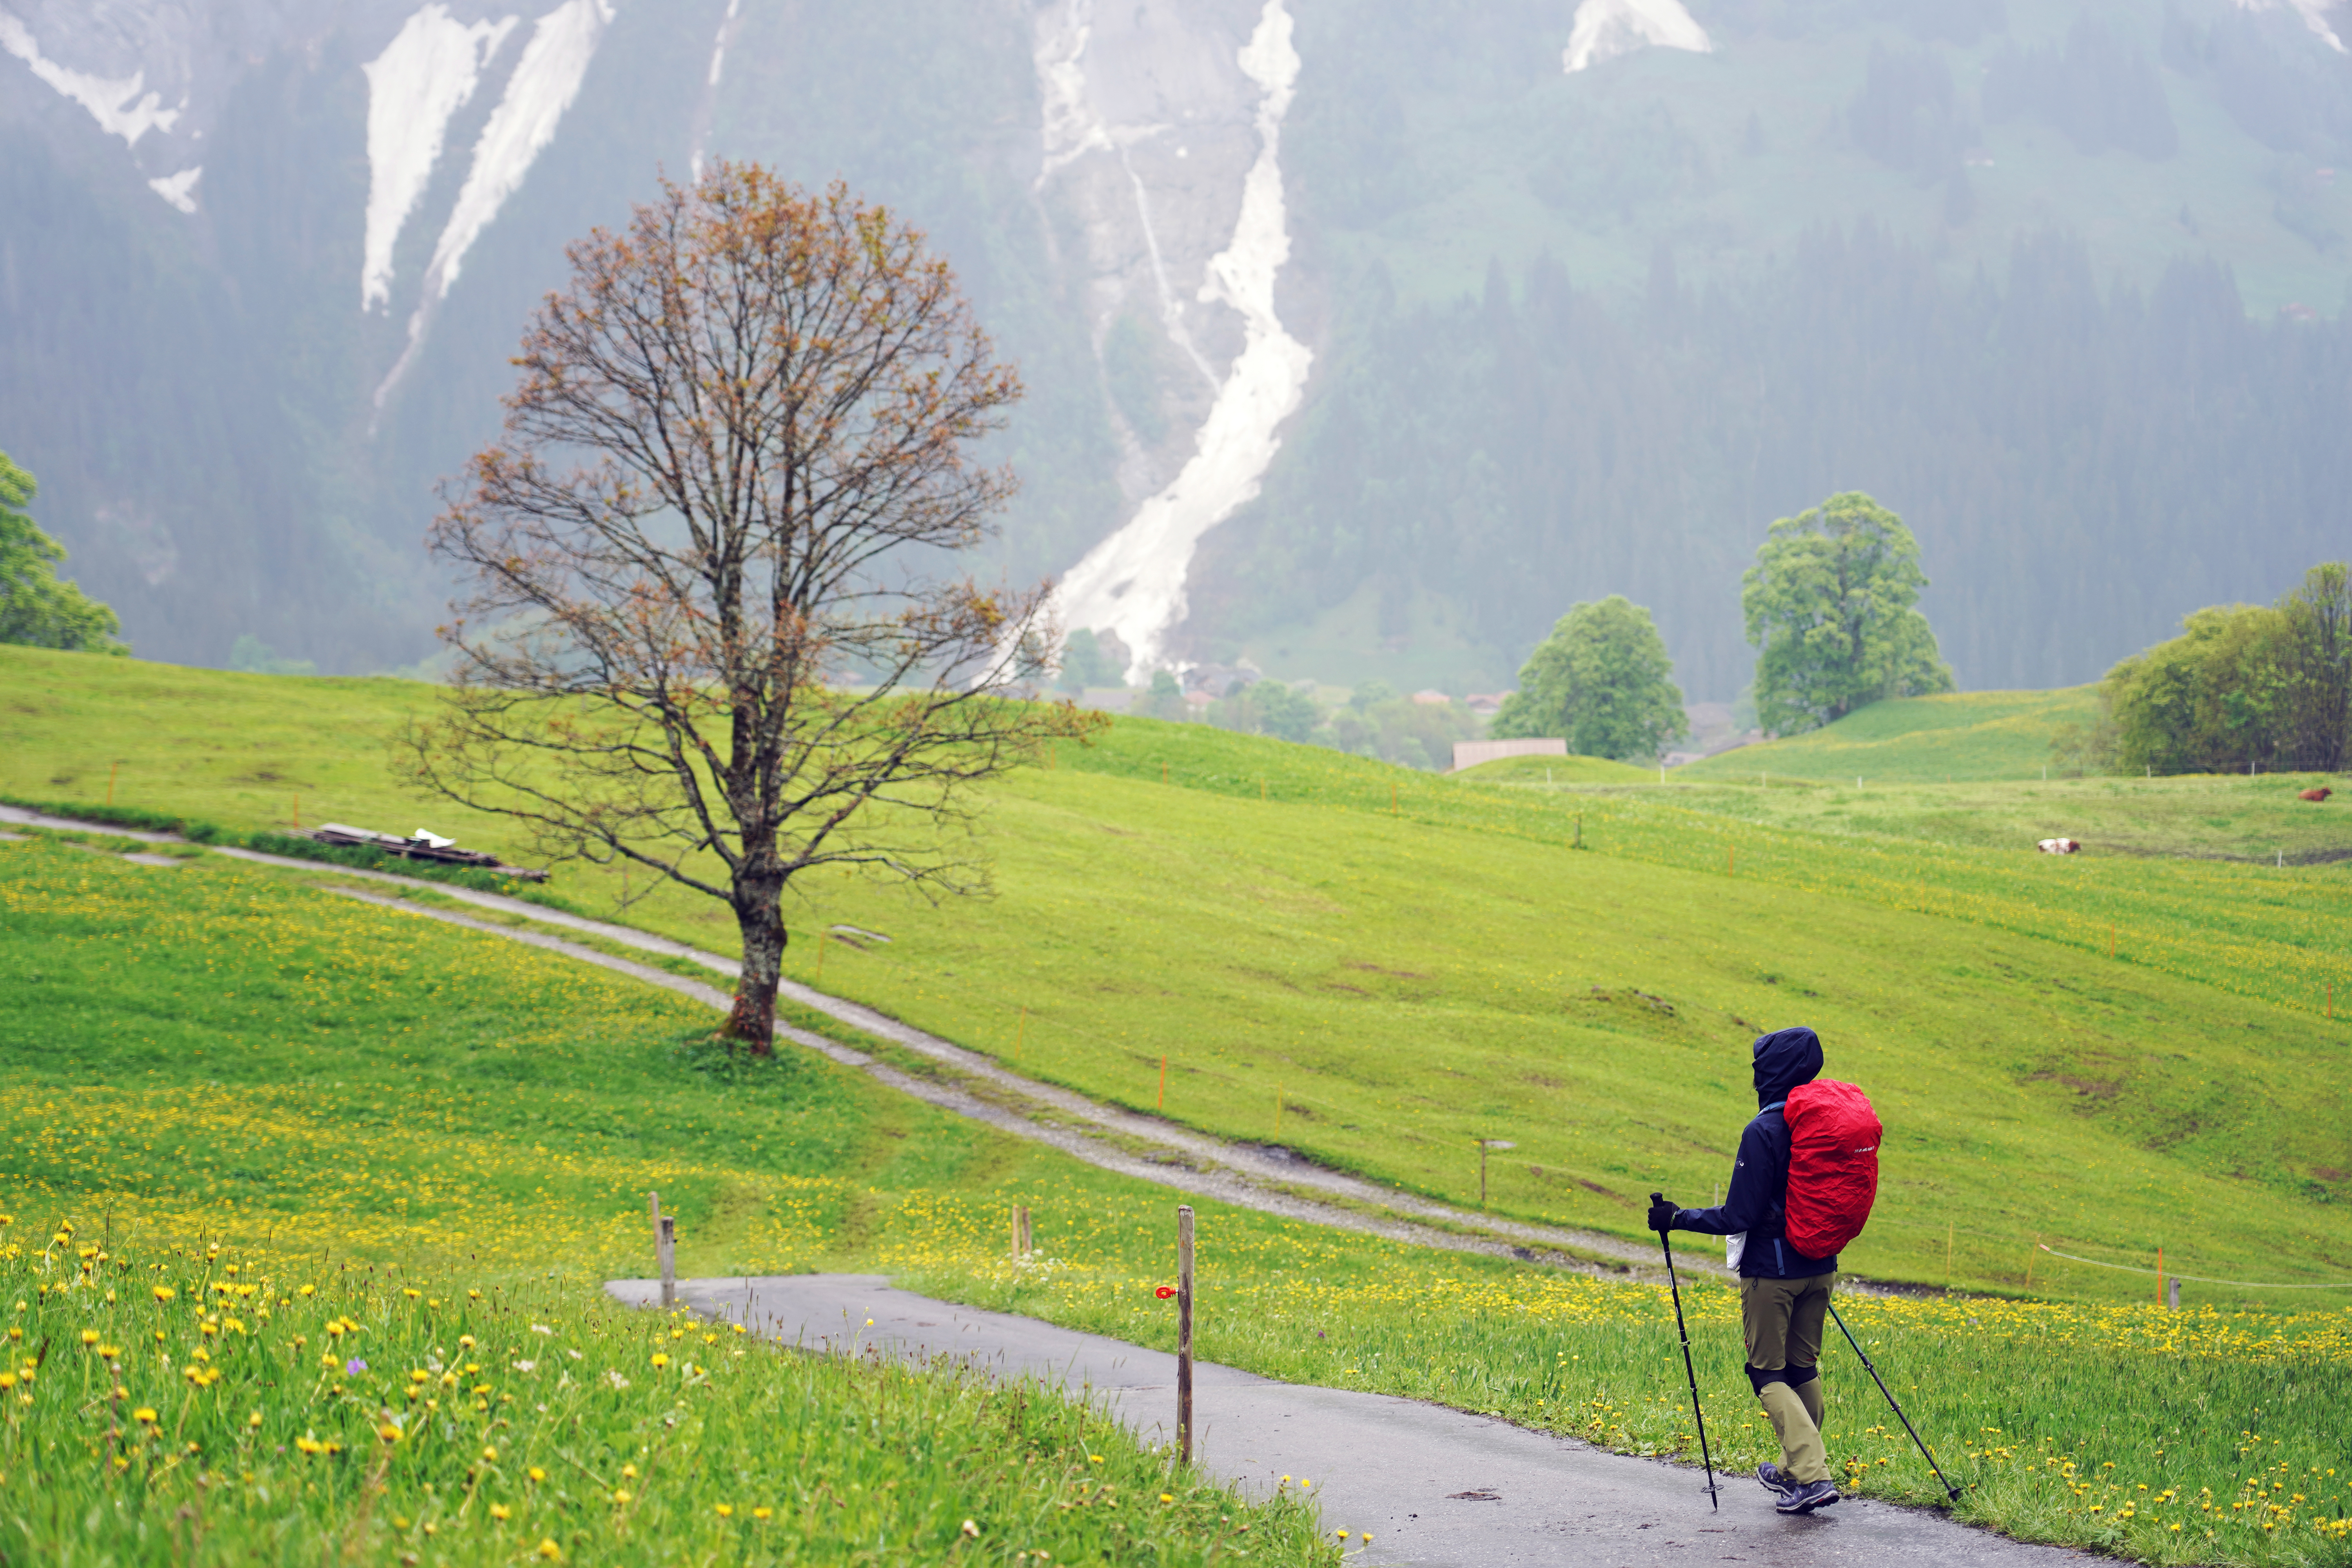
<point x="705" y="632"/>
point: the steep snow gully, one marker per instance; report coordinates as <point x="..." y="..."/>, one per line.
<point x="545" y="81"/>
<point x="1160" y="131"/>
<point x="1133" y="582"/>
<point x="425" y="75"/>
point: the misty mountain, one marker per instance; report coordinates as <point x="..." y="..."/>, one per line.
<point x="1362" y="337"/>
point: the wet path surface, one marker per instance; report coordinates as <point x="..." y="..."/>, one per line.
<point x="1434" y="1487"/>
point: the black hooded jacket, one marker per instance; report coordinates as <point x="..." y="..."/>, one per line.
<point x="1758" y="1199"/>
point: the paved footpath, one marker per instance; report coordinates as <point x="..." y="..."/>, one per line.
<point x="1436" y="1488"/>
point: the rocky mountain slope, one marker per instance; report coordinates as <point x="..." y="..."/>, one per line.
<point x="1362" y="336"/>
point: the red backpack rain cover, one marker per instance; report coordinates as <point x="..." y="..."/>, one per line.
<point x="1833" y="1139"/>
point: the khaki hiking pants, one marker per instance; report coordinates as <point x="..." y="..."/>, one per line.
<point x="1781" y="1320"/>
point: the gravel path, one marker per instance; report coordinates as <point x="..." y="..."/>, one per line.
<point x="1434" y="1487"/>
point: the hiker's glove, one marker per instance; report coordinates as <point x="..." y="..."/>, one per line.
<point x="1662" y="1216"/>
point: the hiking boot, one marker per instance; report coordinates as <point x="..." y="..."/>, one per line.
<point x="1776" y="1479"/>
<point x="1807" y="1496"/>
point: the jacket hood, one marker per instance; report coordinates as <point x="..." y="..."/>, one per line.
<point x="1785" y="1058"/>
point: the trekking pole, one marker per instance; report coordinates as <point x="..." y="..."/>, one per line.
<point x="1697" y="1415"/>
<point x="1950" y="1491"/>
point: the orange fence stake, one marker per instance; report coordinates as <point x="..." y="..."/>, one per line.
<point x="1163" y="1080"/>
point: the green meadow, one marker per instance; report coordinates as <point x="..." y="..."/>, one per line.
<point x="1971" y="737"/>
<point x="2109" y="1054"/>
<point x="342" y="1137"/>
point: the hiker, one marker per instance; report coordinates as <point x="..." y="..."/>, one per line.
<point x="1783" y="1294"/>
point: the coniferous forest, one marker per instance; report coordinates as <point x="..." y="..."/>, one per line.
<point x="2077" y="460"/>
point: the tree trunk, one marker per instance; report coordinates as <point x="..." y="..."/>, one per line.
<point x="753" y="1021"/>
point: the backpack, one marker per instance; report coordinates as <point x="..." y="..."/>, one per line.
<point x="1834" y="1137"/>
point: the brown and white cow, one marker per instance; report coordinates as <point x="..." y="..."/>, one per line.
<point x="2060" y="846"/>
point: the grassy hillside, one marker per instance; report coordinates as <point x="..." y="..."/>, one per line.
<point x="219" y="1077"/>
<point x="1970" y="769"/>
<point x="1969" y="736"/>
<point x="327" y="1128"/>
<point x="1558" y="770"/>
<point x="1406" y="966"/>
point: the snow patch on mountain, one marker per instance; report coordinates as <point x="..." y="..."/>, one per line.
<point x="179" y="189"/>
<point x="1133" y="582"/>
<point x="119" y="104"/>
<point x="1603" y="29"/>
<point x="423" y="76"/>
<point x="545" y="81"/>
<point x="2313" y="12"/>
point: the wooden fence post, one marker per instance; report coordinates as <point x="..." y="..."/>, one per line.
<point x="665" y="1249"/>
<point x="1184" y="1334"/>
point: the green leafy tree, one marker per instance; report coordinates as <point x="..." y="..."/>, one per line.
<point x="2242" y="685"/>
<point x="1269" y="707"/>
<point x="2316" y="723"/>
<point x="1829" y="610"/>
<point x="1164" y="700"/>
<point x="1602" y="682"/>
<point x="1401" y="731"/>
<point x="35" y="609"/>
